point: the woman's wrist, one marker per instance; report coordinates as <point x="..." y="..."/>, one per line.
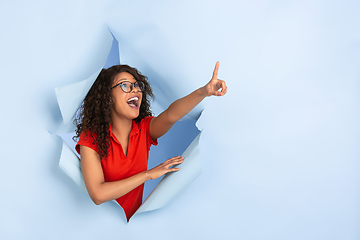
<point x="147" y="175"/>
<point x="202" y="91"/>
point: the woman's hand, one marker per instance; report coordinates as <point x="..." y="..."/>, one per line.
<point x="215" y="84"/>
<point x="165" y="167"/>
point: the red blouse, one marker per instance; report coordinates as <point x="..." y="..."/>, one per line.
<point x="116" y="166"/>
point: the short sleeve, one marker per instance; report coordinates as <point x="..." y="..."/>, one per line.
<point x="85" y="140"/>
<point x="146" y="125"/>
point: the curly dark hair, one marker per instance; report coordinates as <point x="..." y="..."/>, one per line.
<point x="94" y="115"/>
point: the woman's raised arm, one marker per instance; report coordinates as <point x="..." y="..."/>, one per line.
<point x="178" y="109"/>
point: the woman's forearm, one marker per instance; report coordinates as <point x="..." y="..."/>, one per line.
<point x="183" y="106"/>
<point x="178" y="109"/>
<point x="101" y="191"/>
<point x="107" y="191"/>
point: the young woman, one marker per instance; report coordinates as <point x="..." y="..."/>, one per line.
<point x="116" y="129"/>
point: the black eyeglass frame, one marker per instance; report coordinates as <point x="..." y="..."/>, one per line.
<point x="132" y="85"/>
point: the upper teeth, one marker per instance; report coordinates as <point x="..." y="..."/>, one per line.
<point x="133" y="98"/>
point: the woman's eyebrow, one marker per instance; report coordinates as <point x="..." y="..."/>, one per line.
<point x="123" y="79"/>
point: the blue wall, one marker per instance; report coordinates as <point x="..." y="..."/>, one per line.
<point x="280" y="151"/>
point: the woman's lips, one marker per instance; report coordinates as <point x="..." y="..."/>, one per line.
<point x="133" y="102"/>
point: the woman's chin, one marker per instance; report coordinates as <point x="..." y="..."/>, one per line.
<point x="136" y="115"/>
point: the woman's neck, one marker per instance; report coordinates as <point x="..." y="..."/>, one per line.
<point x="121" y="127"/>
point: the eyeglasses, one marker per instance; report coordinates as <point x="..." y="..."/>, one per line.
<point x="127" y="86"/>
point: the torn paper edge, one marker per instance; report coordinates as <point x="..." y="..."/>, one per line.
<point x="70" y="97"/>
<point x="175" y="182"/>
<point x="70" y="164"/>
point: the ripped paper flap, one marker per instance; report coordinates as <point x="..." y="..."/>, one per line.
<point x="70" y="164"/>
<point x="71" y="96"/>
<point x="173" y="183"/>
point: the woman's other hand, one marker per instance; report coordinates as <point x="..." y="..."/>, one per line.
<point x="165" y="167"/>
<point x="215" y="84"/>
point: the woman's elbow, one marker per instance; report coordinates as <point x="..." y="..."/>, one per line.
<point x="97" y="199"/>
<point x="97" y="202"/>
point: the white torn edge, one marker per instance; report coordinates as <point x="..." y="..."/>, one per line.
<point x="71" y="96"/>
<point x="174" y="183"/>
<point x="199" y="122"/>
<point x="70" y="164"/>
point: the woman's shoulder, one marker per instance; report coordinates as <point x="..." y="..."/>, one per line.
<point x="87" y="138"/>
<point x="88" y="134"/>
<point x="145" y="121"/>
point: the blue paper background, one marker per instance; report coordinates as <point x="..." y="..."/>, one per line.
<point x="280" y="150"/>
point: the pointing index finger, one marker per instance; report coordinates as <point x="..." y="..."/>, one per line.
<point x="216" y="70"/>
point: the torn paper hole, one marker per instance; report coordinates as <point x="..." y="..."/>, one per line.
<point x="71" y="97"/>
<point x="168" y="188"/>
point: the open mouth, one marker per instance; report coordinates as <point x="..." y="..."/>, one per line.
<point x="133" y="102"/>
